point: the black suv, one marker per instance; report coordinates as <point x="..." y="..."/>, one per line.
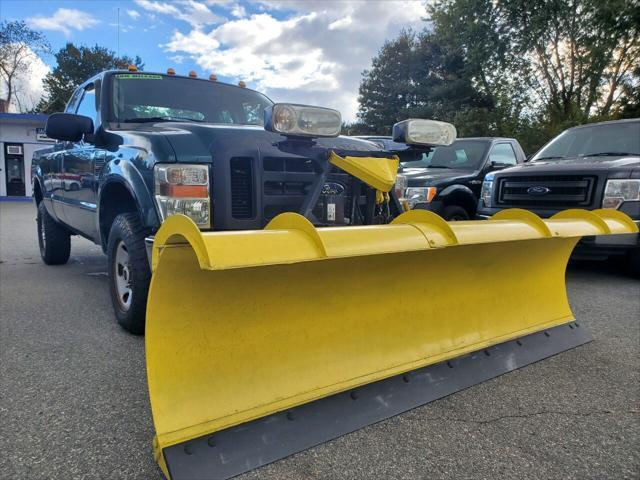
<point x="592" y="166"/>
<point x="447" y="179"/>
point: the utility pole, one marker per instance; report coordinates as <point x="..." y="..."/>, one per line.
<point x="118" y="34"/>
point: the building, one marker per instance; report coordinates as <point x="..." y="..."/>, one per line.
<point x="20" y="135"/>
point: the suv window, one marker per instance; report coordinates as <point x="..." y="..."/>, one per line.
<point x="87" y="105"/>
<point x="503" y="154"/>
<point x="616" y="138"/>
<point x="461" y="154"/>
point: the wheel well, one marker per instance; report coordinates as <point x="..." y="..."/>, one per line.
<point x="37" y="192"/>
<point x="114" y="200"/>
<point x="464" y="200"/>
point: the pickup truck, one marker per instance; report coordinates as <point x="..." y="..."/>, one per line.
<point x="591" y="166"/>
<point x="447" y="179"/>
<point x="133" y="148"/>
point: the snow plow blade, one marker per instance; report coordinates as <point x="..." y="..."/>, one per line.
<point x="261" y="344"/>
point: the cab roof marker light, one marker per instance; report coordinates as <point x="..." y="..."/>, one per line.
<point x="213" y="77"/>
<point x="241" y="84"/>
<point x="132" y="68"/>
<point x="193" y="74"/>
<point x="171" y="71"/>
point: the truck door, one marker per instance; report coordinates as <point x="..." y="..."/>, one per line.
<point x="78" y="172"/>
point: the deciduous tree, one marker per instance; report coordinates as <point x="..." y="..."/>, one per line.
<point x="74" y="66"/>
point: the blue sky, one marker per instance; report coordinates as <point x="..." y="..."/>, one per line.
<point x="307" y="51"/>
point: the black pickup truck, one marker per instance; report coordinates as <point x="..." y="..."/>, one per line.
<point x="591" y="166"/>
<point x="134" y="148"/>
<point x="447" y="179"/>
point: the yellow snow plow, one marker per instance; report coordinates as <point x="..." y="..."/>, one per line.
<point x="264" y="343"/>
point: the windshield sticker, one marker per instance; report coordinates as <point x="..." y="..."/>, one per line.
<point x="138" y="76"/>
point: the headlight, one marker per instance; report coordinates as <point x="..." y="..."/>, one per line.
<point x="302" y="120"/>
<point x="618" y="191"/>
<point x="487" y="190"/>
<point x="416" y="195"/>
<point x="183" y="189"/>
<point x="424" y="132"/>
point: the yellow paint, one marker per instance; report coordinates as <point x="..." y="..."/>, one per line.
<point x="244" y="324"/>
<point x="379" y="173"/>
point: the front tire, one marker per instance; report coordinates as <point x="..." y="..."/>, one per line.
<point x="453" y="213"/>
<point x="634" y="262"/>
<point x="53" y="239"/>
<point x="129" y="273"/>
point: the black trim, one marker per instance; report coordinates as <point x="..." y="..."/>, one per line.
<point x="236" y="450"/>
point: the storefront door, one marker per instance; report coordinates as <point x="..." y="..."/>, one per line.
<point x="14" y="169"/>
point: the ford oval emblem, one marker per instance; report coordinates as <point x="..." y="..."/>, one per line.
<point x="332" y="188"/>
<point x="538" y="190"/>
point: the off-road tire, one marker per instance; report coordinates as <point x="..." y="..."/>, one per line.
<point x="633" y="262"/>
<point x="127" y="230"/>
<point x="54" y="240"/>
<point x="454" y="213"/>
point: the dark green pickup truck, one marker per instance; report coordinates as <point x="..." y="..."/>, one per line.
<point x="134" y="148"/>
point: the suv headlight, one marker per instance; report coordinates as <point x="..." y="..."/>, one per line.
<point x="416" y="195"/>
<point x="487" y="190"/>
<point x="619" y="191"/>
<point x="183" y="188"/>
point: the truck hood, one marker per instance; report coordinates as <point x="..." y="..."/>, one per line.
<point x="578" y="164"/>
<point x="194" y="142"/>
<point x="419" y="177"/>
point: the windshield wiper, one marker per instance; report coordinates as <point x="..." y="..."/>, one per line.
<point x="438" y="166"/>
<point x="609" y="154"/>
<point x="551" y="157"/>
<point x="159" y="119"/>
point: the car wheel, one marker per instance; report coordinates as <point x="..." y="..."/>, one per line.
<point x="53" y="239"/>
<point x="634" y="262"/>
<point x="128" y="270"/>
<point x="453" y="213"/>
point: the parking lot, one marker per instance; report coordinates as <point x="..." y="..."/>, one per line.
<point x="73" y="398"/>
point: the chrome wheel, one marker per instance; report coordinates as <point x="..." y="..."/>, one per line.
<point x="43" y="235"/>
<point x="122" y="275"/>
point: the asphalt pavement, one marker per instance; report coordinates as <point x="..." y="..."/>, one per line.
<point x="74" y="403"/>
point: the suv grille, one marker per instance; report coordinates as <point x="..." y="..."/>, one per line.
<point x="241" y="183"/>
<point x="556" y="191"/>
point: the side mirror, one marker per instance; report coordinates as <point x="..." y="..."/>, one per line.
<point x="493" y="165"/>
<point x="68" y="126"/>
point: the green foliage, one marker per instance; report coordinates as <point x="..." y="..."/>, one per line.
<point x="74" y="66"/>
<point x="413" y="76"/>
<point x="510" y="68"/>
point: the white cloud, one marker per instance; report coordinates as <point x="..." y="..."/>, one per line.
<point x="64" y="20"/>
<point x="27" y="84"/>
<point x="134" y="14"/>
<point x="238" y="11"/>
<point x="195" y="13"/>
<point x="310" y="52"/>
<point x="341" y="23"/>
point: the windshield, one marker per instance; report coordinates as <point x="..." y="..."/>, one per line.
<point x="598" y="140"/>
<point x="461" y="154"/>
<point x="145" y="97"/>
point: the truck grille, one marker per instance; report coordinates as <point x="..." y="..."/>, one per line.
<point x="241" y="183"/>
<point x="288" y="180"/>
<point x="549" y="191"/>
